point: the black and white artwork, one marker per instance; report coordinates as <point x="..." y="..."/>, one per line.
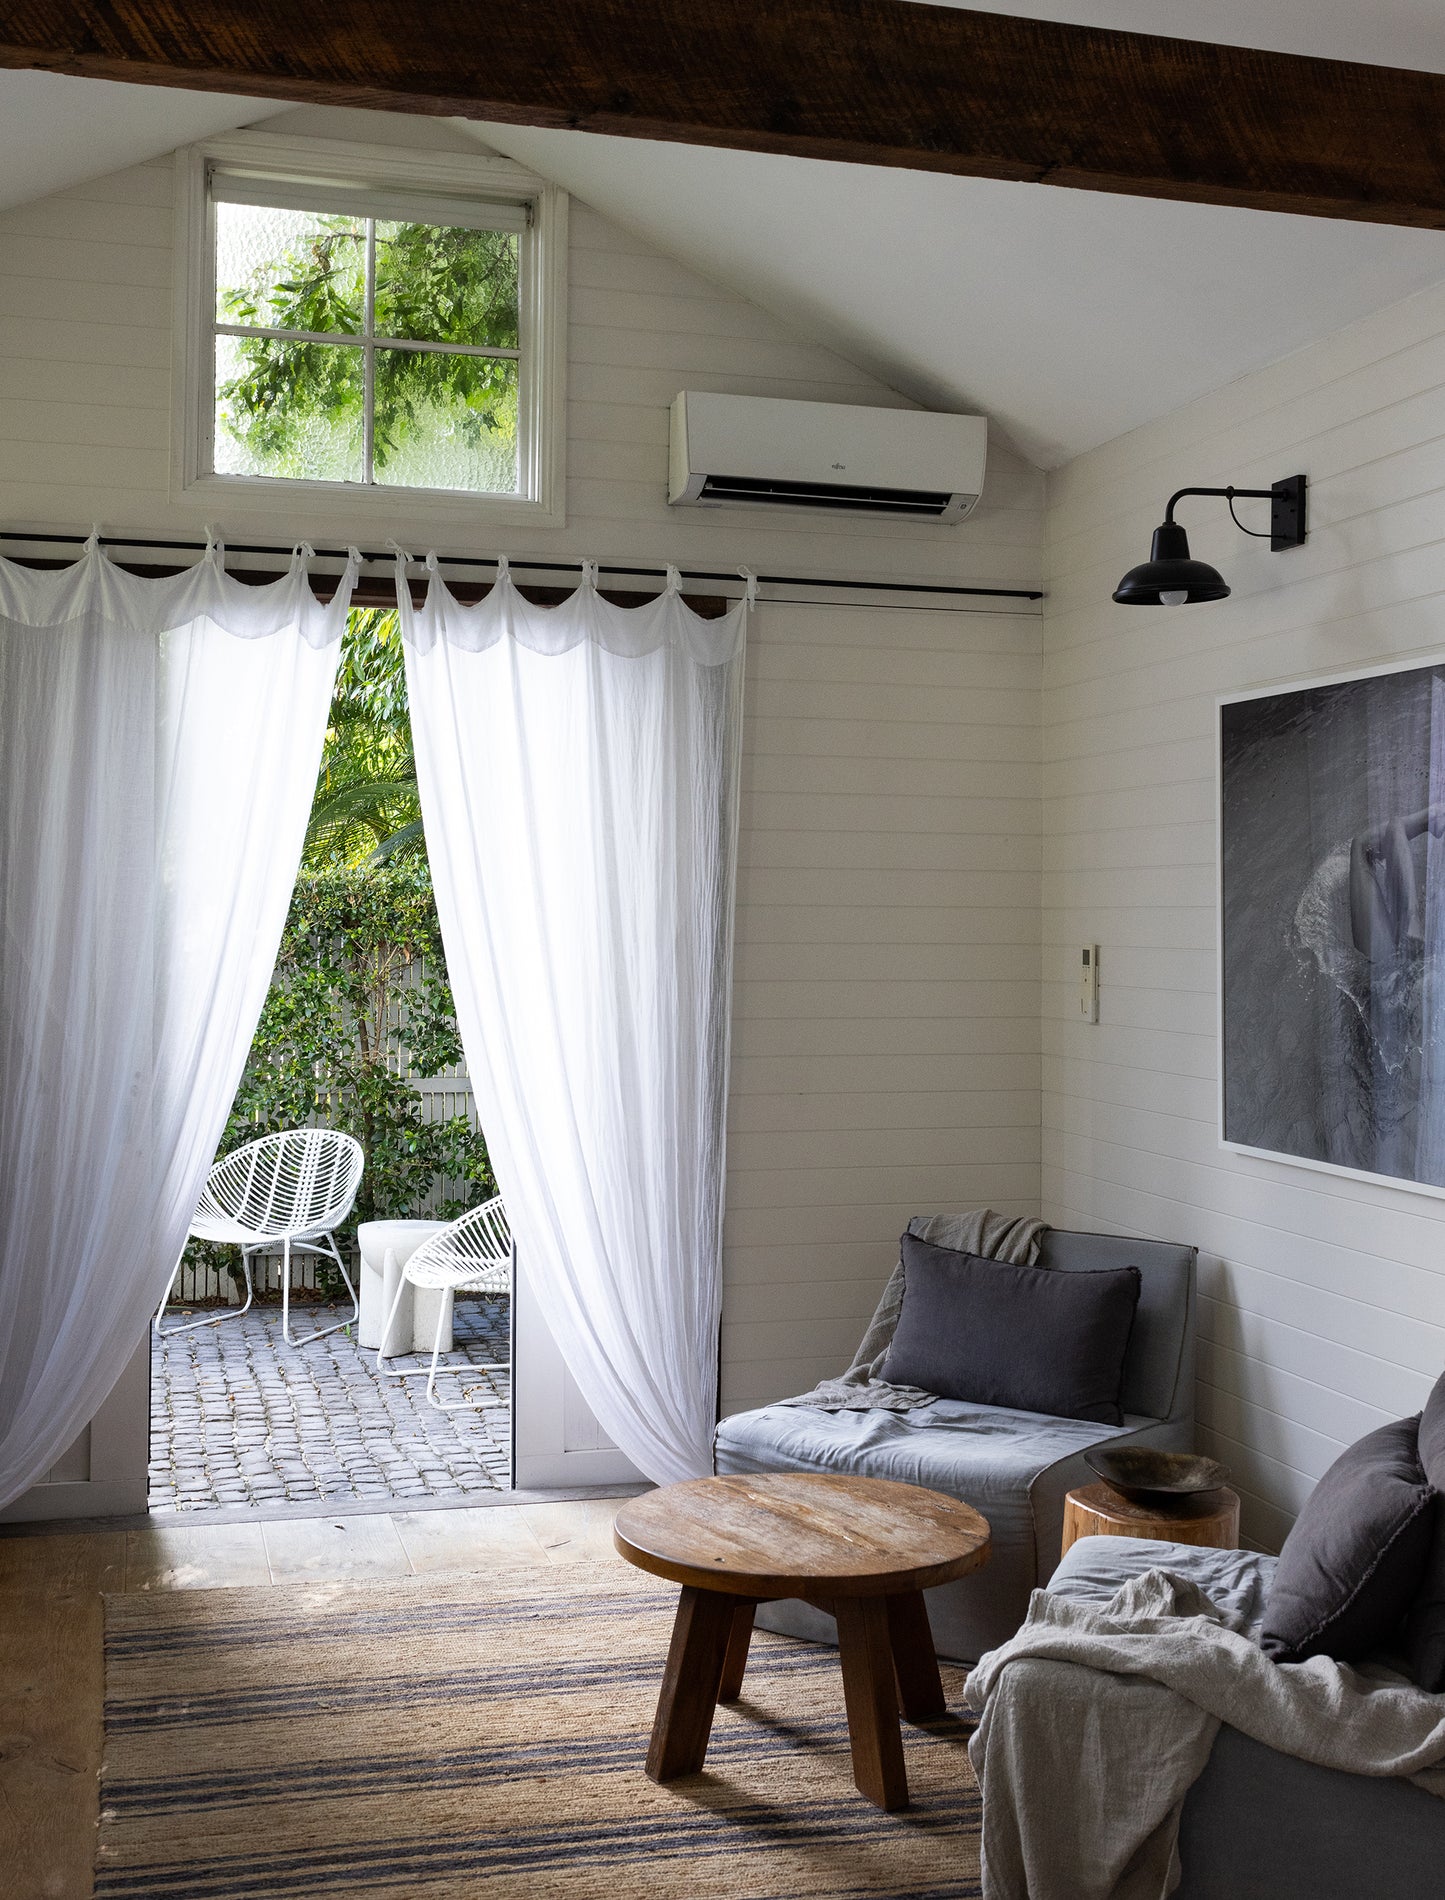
<point x="1333" y="891"/>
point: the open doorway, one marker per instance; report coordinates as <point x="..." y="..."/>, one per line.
<point x="358" y="1033"/>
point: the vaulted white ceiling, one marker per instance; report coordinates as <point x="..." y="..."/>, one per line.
<point x="1068" y="317"/>
<point x="56" y="132"/>
<point x="1377" y="32"/>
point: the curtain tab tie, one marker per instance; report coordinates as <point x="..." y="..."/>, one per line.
<point x="504" y="569"/>
<point x="752" y="584"/>
<point x="399" y="551"/>
<point x="589" y="574"/>
<point x="674" y="580"/>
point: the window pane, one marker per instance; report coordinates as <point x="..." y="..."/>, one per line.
<point x="437" y="285"/>
<point x="446" y="421"/>
<point x="290" y="270"/>
<point x="288" y="409"/>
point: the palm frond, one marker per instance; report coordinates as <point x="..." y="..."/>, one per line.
<point x="398" y="841"/>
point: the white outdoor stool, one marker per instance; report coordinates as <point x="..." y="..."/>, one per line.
<point x="385" y="1247"/>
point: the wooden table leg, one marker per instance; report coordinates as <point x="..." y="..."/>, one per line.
<point x="690" y="1683"/>
<point x="915" y="1661"/>
<point x="735" y="1665"/>
<point x="870" y="1694"/>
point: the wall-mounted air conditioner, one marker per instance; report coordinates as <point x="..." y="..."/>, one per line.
<point x="758" y="452"/>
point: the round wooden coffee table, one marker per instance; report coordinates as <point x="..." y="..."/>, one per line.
<point x="861" y="1549"/>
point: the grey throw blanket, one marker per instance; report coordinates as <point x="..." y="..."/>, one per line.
<point x="1097" y="1720"/>
<point x="994" y="1236"/>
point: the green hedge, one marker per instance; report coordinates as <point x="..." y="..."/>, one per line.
<point x="338" y="1001"/>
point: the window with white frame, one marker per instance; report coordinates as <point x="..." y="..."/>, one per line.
<point x="382" y="336"/>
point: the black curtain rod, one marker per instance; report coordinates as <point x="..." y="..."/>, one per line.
<point x="539" y="567"/>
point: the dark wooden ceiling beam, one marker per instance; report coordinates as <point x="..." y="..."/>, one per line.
<point x="877" y="82"/>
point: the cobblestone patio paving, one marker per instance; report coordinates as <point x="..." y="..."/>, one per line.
<point x="239" y="1417"/>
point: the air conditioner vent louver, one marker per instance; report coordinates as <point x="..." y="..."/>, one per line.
<point x="837" y="458"/>
<point x="928" y="502"/>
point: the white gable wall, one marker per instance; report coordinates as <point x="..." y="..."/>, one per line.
<point x="1323" y="1300"/>
<point x="85" y="354"/>
<point x="886" y="1020"/>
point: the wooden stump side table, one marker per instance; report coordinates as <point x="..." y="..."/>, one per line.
<point x="1199" y="1517"/>
<point x="861" y="1549"/>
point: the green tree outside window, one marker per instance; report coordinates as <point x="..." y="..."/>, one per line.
<point x="354" y="387"/>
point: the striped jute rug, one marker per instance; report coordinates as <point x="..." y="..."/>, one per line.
<point x="475" y="1736"/>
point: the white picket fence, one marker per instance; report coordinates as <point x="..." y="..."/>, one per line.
<point x="442" y="1096"/>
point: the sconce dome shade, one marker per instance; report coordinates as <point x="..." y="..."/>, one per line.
<point x="1169" y="578"/>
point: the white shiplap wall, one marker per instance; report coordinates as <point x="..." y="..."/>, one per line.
<point x="886" y="1026"/>
<point x="886" y="998"/>
<point x="1323" y="1300"/>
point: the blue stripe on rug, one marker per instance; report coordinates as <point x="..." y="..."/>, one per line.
<point x="698" y="1834"/>
<point x="299" y="1780"/>
<point x="566" y="1677"/>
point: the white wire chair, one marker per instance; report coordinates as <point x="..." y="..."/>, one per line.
<point x="295" y="1188"/>
<point x="470" y="1255"/>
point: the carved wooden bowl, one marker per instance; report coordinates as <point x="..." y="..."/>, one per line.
<point x="1137" y="1472"/>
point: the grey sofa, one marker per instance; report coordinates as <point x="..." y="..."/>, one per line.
<point x="1258" y="1825"/>
<point x="1014" y="1467"/>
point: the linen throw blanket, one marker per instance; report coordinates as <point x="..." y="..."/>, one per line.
<point x="859" y="1389"/>
<point x="1065" y="1822"/>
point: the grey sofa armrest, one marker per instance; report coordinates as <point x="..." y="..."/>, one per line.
<point x="1258" y="1825"/>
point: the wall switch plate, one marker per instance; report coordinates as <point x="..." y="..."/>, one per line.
<point x="1089" y="983"/>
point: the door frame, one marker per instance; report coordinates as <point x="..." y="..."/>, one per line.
<point x="556" y="1441"/>
<point x="106" y="1472"/>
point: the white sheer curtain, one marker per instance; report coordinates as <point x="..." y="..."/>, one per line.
<point x="159" y="743"/>
<point x="579" y="777"/>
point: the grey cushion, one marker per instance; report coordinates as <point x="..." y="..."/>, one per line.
<point x="1355" y="1559"/>
<point x="1159" y="1366"/>
<point x="1235" y="1581"/>
<point x="1425" y="1626"/>
<point x="1430" y="1435"/>
<point x="984" y="1453"/>
<point x="1000" y="1333"/>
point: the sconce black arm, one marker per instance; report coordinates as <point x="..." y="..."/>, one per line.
<point x="1286" y="516"/>
<point x="1248" y="494"/>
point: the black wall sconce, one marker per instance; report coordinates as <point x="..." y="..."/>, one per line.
<point x="1169" y="578"/>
